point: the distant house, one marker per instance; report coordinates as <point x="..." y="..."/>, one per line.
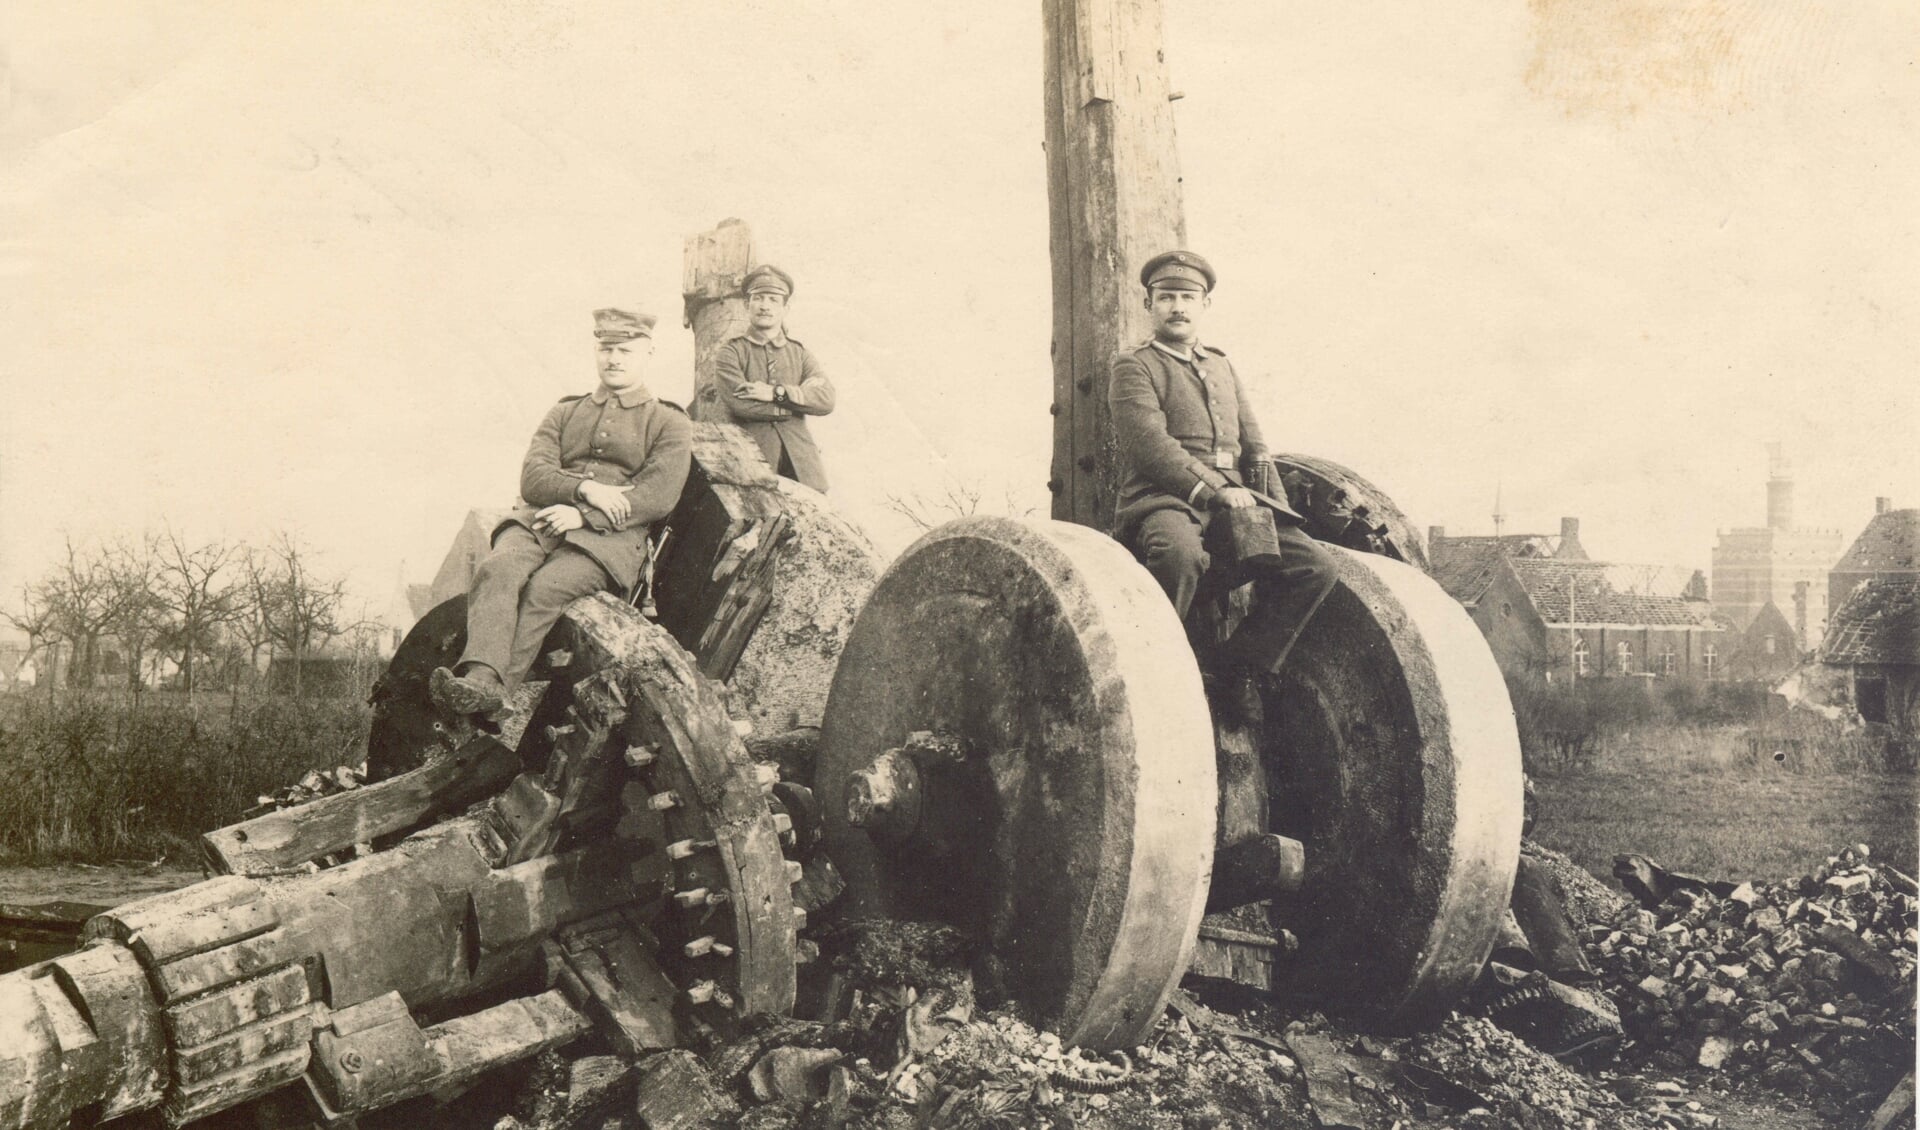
<point x="1875" y="639"/>
<point x="1546" y="608"/>
<point x="470" y="543"/>
<point x="1888" y="547"/>
<point x="1767" y="649"/>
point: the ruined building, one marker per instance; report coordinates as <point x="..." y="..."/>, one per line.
<point x="1780" y="563"/>
<point x="1547" y="609"/>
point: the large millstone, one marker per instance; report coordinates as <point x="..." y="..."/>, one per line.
<point x="1073" y="836"/>
<point x="1391" y="754"/>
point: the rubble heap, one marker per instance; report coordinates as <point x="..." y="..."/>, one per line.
<point x="1806" y="985"/>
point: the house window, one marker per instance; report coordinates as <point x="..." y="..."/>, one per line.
<point x="1579" y="655"/>
<point x="1707" y="658"/>
<point x="1667" y="661"/>
<point x="1768" y="645"/>
<point x="1623" y="656"/>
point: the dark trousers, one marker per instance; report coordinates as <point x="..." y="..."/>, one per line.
<point x="518" y="594"/>
<point x="1285" y="597"/>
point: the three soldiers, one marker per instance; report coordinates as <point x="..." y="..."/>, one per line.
<point x="601" y="470"/>
<point x="769" y="383"/>
<point x="1193" y="457"/>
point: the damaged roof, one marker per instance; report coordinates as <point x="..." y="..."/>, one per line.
<point x="1595" y="592"/>
<point x="1879" y="623"/>
<point x="1465" y="566"/>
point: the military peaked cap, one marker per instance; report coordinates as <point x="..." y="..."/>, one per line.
<point x="622" y="325"/>
<point x="767" y="277"/>
<point x="1181" y="270"/>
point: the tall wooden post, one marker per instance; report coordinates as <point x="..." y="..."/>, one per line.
<point x="1113" y="194"/>
<point x="716" y="265"/>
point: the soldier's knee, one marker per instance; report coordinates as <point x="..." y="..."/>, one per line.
<point x="1168" y="554"/>
<point x="1323" y="573"/>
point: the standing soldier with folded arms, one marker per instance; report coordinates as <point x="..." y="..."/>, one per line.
<point x="1191" y="451"/>
<point x="602" y="469"/>
<point x="769" y="383"/>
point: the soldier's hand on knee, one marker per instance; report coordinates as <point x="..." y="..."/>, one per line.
<point x="1233" y="498"/>
<point x="611" y="500"/>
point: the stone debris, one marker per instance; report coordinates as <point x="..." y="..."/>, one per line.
<point x="313" y="785"/>
<point x="1806" y="986"/>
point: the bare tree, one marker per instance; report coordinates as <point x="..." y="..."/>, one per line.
<point x="298" y="609"/>
<point x="39" y="620"/>
<point x="197" y="586"/>
<point x="80" y="593"/>
<point x="138" y="618"/>
<point x="958" y="500"/>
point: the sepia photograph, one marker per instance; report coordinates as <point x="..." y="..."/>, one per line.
<point x="653" y="565"/>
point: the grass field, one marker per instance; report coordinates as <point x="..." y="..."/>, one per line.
<point x="1760" y="822"/>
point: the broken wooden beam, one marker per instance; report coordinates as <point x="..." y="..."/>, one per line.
<point x="1257" y="868"/>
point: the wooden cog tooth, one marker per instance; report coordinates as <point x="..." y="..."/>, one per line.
<point x="700" y="992"/>
<point x="699" y="897"/>
<point x="660" y="802"/>
<point x="707" y="944"/>
<point x="743" y="728"/>
<point x="681" y="849"/>
<point x="641" y="756"/>
<point x="795" y="872"/>
<point x="558" y="658"/>
<point x="782" y="823"/>
<point x="799" y="919"/>
<point x="767" y="775"/>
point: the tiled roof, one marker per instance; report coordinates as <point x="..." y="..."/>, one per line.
<point x="1465" y="566"/>
<point x="1595" y="592"/>
<point x="1889" y="544"/>
<point x="1879" y="623"/>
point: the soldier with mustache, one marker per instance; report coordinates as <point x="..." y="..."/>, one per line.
<point x="1191" y="451"/>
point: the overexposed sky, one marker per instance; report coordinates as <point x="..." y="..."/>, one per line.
<point x="322" y="267"/>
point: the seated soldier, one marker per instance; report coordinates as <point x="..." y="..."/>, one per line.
<point x="769" y="383"/>
<point x="1190" y="449"/>
<point x="601" y="470"/>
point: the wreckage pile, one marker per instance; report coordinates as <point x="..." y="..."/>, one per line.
<point x="1806" y="985"/>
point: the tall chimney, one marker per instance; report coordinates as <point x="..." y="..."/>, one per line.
<point x="1435" y="533"/>
<point x="1570" y="546"/>
<point x="1779" y="488"/>
<point x="1882" y="504"/>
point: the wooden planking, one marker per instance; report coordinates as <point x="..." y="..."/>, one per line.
<point x="676" y="1092"/>
<point x="237" y="962"/>
<point x="124" y="921"/>
<point x="629" y="997"/>
<point x="173" y="939"/>
<point x="1234" y="955"/>
<point x="206" y="1018"/>
<point x="272" y="1036"/>
<point x="185" y="1104"/>
<point x="1113" y="193"/>
<point x="281" y="840"/>
<point x="470" y="1046"/>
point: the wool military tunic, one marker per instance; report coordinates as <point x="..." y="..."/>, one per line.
<point x="1184" y="431"/>
<point x="630" y="440"/>
<point x="777" y="428"/>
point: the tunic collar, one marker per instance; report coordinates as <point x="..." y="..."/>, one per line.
<point x="1190" y="356"/>
<point x="632" y="398"/>
<point x="777" y="340"/>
